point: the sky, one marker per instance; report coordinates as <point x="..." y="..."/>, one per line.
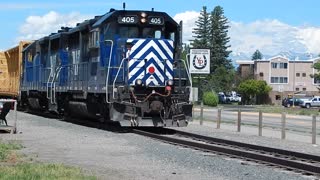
<point x="272" y="26"/>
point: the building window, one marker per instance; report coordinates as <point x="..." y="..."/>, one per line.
<point x="261" y="74"/>
<point x="282" y="80"/>
<point x="274" y="65"/>
<point x="316" y="80"/>
<point x="278" y="97"/>
<point x="304" y="75"/>
<point x="283" y="65"/>
<point x="297" y="74"/>
<point x="297" y="89"/>
<point x="274" y="79"/>
<point x="304" y="89"/>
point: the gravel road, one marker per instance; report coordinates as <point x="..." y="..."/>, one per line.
<point x="115" y="155"/>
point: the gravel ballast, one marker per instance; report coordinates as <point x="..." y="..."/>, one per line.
<point x="116" y="155"/>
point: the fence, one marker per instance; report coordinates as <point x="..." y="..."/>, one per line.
<point x="12" y="129"/>
<point x="240" y="116"/>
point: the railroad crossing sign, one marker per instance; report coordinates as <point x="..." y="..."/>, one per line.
<point x="199" y="61"/>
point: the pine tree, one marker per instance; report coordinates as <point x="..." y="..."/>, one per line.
<point x="257" y="55"/>
<point x="202" y="30"/>
<point x="219" y="40"/>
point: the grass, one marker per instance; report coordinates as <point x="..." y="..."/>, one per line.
<point x="7" y="148"/>
<point x="39" y="171"/>
<point x="12" y="167"/>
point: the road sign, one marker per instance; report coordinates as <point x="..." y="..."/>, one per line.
<point x="200" y="61"/>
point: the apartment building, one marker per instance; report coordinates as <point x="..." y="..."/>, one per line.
<point x="287" y="77"/>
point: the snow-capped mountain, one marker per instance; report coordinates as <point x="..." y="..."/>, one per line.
<point x="235" y="56"/>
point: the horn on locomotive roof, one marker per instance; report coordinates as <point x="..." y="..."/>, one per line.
<point x="124" y="6"/>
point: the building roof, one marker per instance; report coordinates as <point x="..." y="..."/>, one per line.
<point x="244" y="62"/>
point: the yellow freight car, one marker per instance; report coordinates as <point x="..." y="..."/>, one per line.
<point x="10" y="70"/>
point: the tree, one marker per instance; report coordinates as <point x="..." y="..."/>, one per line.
<point x="218" y="40"/>
<point x="316" y="76"/>
<point x="257" y="55"/>
<point x="211" y="32"/>
<point x="185" y="51"/>
<point x="202" y="30"/>
<point x="252" y="88"/>
<point x="220" y="81"/>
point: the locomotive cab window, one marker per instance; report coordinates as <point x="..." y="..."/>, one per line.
<point x="94" y="38"/>
<point x="151" y="33"/>
<point x="172" y="36"/>
<point x="110" y="30"/>
<point x="157" y="34"/>
<point x="128" y="32"/>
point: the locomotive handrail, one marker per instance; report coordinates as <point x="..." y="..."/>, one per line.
<point x="48" y="82"/>
<point x="189" y="76"/>
<point x="188" y="73"/>
<point x="54" y="86"/>
<point x="114" y="81"/>
<point x="53" y="78"/>
<point x="107" y="78"/>
<point x="187" y="59"/>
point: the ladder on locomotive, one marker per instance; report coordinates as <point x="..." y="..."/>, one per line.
<point x="51" y="87"/>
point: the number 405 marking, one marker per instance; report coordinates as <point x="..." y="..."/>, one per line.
<point x="128" y="19"/>
<point x="156" y="20"/>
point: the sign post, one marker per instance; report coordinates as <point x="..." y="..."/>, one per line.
<point x="199" y="61"/>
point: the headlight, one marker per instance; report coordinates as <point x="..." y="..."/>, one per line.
<point x="170" y="82"/>
<point x="143" y="14"/>
<point x="139" y="82"/>
<point x="143" y="20"/>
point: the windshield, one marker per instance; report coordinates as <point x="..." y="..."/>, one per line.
<point x="151" y="33"/>
<point x="128" y="32"/>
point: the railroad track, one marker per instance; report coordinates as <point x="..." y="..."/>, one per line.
<point x="305" y="164"/>
<point x="289" y="160"/>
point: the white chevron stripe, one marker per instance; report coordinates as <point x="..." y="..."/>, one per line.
<point x="147" y="47"/>
<point x="136" y="45"/>
<point x="170" y="67"/>
<point x="152" y="79"/>
<point x="159" y="62"/>
<point x="134" y="71"/>
<point x="130" y="40"/>
<point x="164" y="45"/>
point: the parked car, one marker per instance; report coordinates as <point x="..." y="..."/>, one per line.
<point x="222" y="98"/>
<point x="311" y="102"/>
<point x="288" y="102"/>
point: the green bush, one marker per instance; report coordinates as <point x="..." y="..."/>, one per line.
<point x="210" y="98"/>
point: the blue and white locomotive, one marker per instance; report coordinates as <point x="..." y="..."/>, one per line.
<point x="123" y="66"/>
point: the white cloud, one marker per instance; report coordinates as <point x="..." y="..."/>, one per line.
<point x="310" y="38"/>
<point x="188" y="18"/>
<point x="270" y="36"/>
<point x="36" y="27"/>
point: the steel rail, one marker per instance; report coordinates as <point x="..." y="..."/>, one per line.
<point x="243" y="153"/>
<point x="251" y="146"/>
